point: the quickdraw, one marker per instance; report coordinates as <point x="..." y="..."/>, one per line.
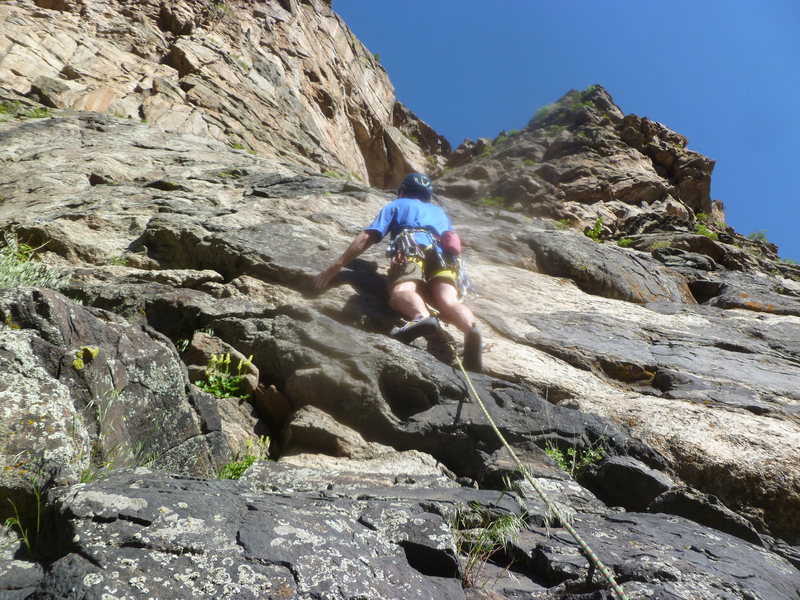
<point x="404" y="246"/>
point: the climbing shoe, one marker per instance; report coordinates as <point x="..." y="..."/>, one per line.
<point x="417" y="328"/>
<point x="472" y="351"/>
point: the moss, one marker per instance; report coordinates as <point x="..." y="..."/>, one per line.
<point x="83" y="355"/>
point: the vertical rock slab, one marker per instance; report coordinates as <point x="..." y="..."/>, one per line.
<point x="83" y="391"/>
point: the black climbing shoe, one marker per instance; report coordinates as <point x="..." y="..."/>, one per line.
<point x="472" y="351"/>
<point x="414" y="329"/>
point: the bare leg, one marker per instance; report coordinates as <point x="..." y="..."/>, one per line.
<point x="444" y="297"/>
<point x="405" y="298"/>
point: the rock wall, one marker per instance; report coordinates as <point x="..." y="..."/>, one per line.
<point x="661" y="374"/>
<point x="283" y="79"/>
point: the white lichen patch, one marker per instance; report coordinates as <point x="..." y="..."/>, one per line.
<point x="106" y="500"/>
<point x="93" y="579"/>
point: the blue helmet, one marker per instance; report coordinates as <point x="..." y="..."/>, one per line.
<point x="416" y="185"/>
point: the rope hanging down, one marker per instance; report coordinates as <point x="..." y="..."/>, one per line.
<point x="594" y="561"/>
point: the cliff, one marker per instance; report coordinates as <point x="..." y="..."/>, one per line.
<point x="641" y="356"/>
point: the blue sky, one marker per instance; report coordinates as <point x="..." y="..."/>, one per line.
<point x="724" y="73"/>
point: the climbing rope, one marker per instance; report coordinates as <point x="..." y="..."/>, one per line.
<point x="594" y="561"/>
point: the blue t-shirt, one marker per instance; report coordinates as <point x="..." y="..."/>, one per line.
<point x="411" y="213"/>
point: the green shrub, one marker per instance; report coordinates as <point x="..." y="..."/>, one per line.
<point x="659" y="245"/>
<point x="529" y="162"/>
<point x="14" y="110"/>
<point x="758" y="236"/>
<point x="480" y="533"/>
<point x="9" y="108"/>
<point x="253" y="450"/>
<point x="492" y="201"/>
<point x="597" y="229"/>
<point x="18" y="267"/>
<point x="575" y="461"/>
<point x="563" y="224"/>
<point x="220" y="381"/>
<point x="702" y="217"/>
<point x="703" y="230"/>
<point x="544" y="111"/>
<point x="37" y="113"/>
<point x="624" y="242"/>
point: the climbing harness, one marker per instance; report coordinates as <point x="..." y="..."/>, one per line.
<point x="586" y="551"/>
<point x="405" y="247"/>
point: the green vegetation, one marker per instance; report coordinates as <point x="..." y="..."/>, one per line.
<point x="758" y="236"/>
<point x="596" y="231"/>
<point x="544" y="111"/>
<point x="482" y="532"/>
<point x="377" y="58"/>
<point x="563" y="224"/>
<point x="29" y="531"/>
<point x="111" y="447"/>
<point x="624" y="242"/>
<point x="492" y="202"/>
<point x="238" y="146"/>
<point x="703" y="230"/>
<point x="220" y="381"/>
<point x="119" y="261"/>
<point x="506" y="135"/>
<point x="9" y="110"/>
<point x="18" y="267"/>
<point x="253" y="450"/>
<point x="788" y="261"/>
<point x="529" y="162"/>
<point x="575" y="461"/>
<point x="229" y="173"/>
<point x="488" y="149"/>
<point x="83" y="355"/>
<point x="659" y="245"/>
<point x="334" y="174"/>
<point x="573" y="101"/>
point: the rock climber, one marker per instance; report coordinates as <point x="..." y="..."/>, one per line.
<point x="425" y="254"/>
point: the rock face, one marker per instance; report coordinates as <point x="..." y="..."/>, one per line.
<point x="650" y="387"/>
<point x="284" y="79"/>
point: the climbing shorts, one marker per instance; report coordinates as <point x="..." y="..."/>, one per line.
<point x="418" y="269"/>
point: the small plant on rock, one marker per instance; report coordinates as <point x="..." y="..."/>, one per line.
<point x="625" y="242"/>
<point x="574" y="461"/>
<point x="563" y="224"/>
<point x="18" y="267"/>
<point x="596" y="230"/>
<point x="221" y="381"/>
<point x="492" y="202"/>
<point x="253" y="450"/>
<point x="758" y="236"/>
<point x="705" y="231"/>
<point x="481" y="533"/>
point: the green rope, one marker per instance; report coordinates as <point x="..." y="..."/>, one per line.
<point x="585" y="549"/>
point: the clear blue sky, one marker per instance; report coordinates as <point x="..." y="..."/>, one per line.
<point x="724" y="73"/>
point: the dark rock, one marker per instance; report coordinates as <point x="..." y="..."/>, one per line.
<point x="605" y="270"/>
<point x="627" y="482"/>
<point x="661" y="556"/>
<point x="86" y="390"/>
<point x="706" y="510"/>
<point x="673" y="257"/>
